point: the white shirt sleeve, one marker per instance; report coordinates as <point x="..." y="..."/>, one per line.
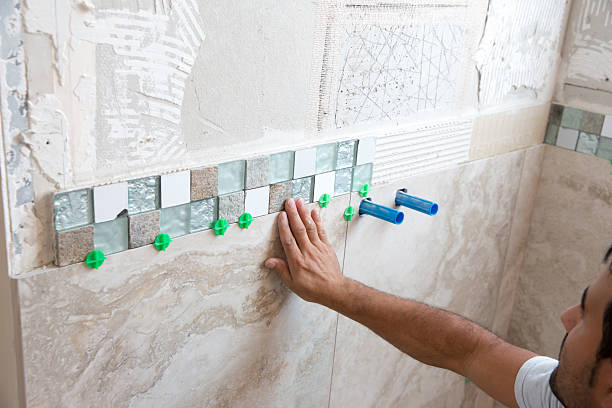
<point x="532" y="387"/>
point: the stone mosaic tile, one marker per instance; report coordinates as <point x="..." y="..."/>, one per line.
<point x="231" y="176"/>
<point x="572" y="118"/>
<point x="278" y="194"/>
<point x="606" y="129"/>
<point x="592" y="123"/>
<point x="143" y="228"/>
<point x="204" y="183"/>
<point x="326" y="157"/>
<point x="110" y="201"/>
<point x="302" y="188"/>
<point x="305" y="163"/>
<point x="111" y="236"/>
<point x="143" y="195"/>
<point x="73" y="245"/>
<point x="281" y="167"/>
<point x="587" y="143"/>
<point x="176" y="221"/>
<point x="257" y="201"/>
<point x="257" y="172"/>
<point x="551" y="134"/>
<point x="346" y="154"/>
<point x="231" y="206"/>
<point x="175" y="188"/>
<point x="73" y="209"/>
<point x="366" y="150"/>
<point x="361" y="175"/>
<point x="567" y="138"/>
<point x="604" y="150"/>
<point x="203" y="214"/>
<point x="556" y="112"/>
<point x="343" y="181"/>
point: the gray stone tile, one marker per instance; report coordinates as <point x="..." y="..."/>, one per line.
<point x="556" y="112"/>
<point x="592" y="122"/>
<point x="278" y="194"/>
<point x="231" y="206"/>
<point x="143" y="228"/>
<point x="587" y="143"/>
<point x="257" y="172"/>
<point x="204" y="183"/>
<point x="302" y="188"/>
<point x="73" y="245"/>
<point x="551" y="134"/>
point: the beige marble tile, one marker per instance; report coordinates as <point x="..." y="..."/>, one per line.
<point x="202" y="324"/>
<point x="570" y="230"/>
<point x="454" y="260"/>
<point x="507" y="131"/>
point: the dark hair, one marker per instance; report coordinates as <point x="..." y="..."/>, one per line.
<point x="604" y="350"/>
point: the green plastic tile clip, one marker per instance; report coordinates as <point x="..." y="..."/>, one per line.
<point x="95" y="259"/>
<point x="245" y="220"/>
<point x="162" y="241"/>
<point x="349" y="213"/>
<point x="324" y="200"/>
<point x="363" y="191"/>
<point x="220" y="226"/>
<point x="467" y="380"/>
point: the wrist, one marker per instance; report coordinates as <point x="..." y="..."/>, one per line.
<point x="339" y="295"/>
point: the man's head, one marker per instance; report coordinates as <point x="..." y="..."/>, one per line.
<point x="584" y="375"/>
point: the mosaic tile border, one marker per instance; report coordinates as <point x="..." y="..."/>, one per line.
<point x="582" y="131"/>
<point x="133" y="213"/>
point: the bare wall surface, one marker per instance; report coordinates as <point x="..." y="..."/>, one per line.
<point x="569" y="233"/>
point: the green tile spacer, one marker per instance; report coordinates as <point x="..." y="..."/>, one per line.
<point x="324" y="200"/>
<point x="220" y="226"/>
<point x="95" y="259"/>
<point x="349" y="213"/>
<point x="364" y="190"/>
<point x="467" y="380"/>
<point x="245" y="221"/>
<point x="162" y="241"/>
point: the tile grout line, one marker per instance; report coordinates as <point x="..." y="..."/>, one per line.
<point x="331" y="379"/>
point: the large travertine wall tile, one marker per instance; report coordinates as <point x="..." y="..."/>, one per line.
<point x="202" y="324"/>
<point x="570" y="230"/>
<point x="454" y="260"/>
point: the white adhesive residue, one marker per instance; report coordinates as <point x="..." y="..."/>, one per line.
<point x="519" y="50"/>
<point x="141" y="80"/>
<point x="421" y="148"/>
<point x="590" y="53"/>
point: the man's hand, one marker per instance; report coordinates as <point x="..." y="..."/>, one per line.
<point x="312" y="270"/>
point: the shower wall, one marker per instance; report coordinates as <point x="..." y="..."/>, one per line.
<point x="95" y="92"/>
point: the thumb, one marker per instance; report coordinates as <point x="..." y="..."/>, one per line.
<point x="280" y="267"/>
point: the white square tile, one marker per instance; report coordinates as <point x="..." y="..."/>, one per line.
<point x="324" y="183"/>
<point x="567" y="138"/>
<point x="257" y="201"/>
<point x="305" y="163"/>
<point x="175" y="188"/>
<point x="607" y="126"/>
<point x="366" y="150"/>
<point x="109" y="201"/>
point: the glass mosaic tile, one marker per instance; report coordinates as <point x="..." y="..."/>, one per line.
<point x="110" y="201"/>
<point x="362" y="175"/>
<point x="326" y="157"/>
<point x="366" y="151"/>
<point x="231" y="176"/>
<point x="343" y="181"/>
<point x="346" y="154"/>
<point x="257" y="201"/>
<point x="73" y="209"/>
<point x="572" y="118"/>
<point x="111" y="236"/>
<point x="302" y="188"/>
<point x="175" y="188"/>
<point x="143" y="195"/>
<point x="551" y="134"/>
<point x="604" y="150"/>
<point x="176" y="221"/>
<point x="606" y="129"/>
<point x="203" y="214"/>
<point x="587" y="143"/>
<point x="304" y="163"/>
<point x="281" y="167"/>
<point x="567" y="138"/>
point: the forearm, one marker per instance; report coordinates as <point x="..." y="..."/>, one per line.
<point x="428" y="334"/>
